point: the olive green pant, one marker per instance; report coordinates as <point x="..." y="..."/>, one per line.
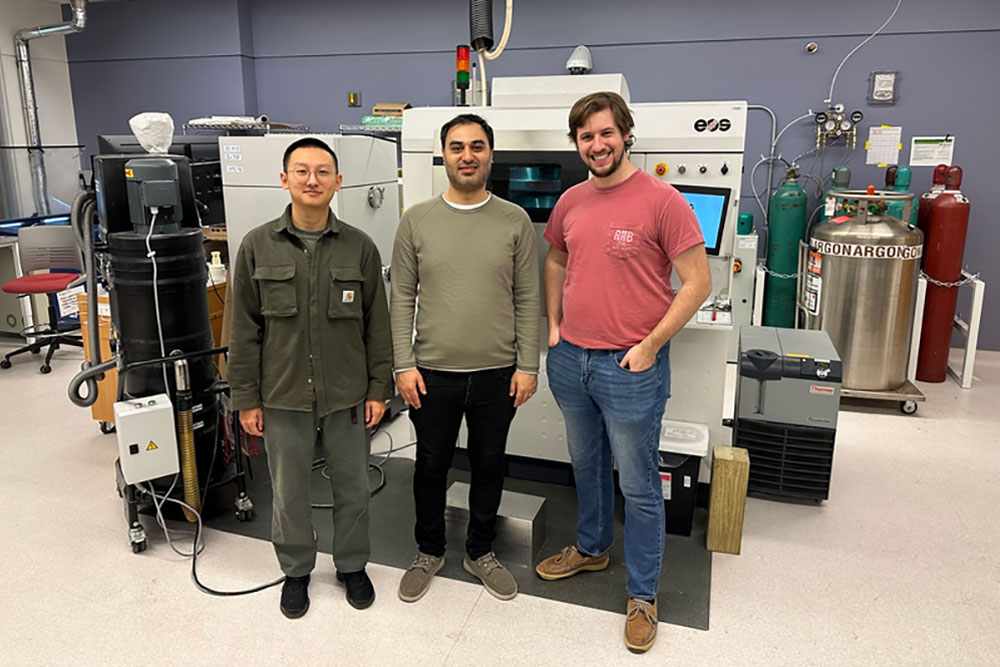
<point x="291" y="439"/>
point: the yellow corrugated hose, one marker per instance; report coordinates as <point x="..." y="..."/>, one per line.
<point x="189" y="466"/>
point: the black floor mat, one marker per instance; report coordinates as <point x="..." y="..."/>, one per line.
<point x="687" y="567"/>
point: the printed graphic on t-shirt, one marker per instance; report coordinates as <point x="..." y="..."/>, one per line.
<point x="623" y="241"/>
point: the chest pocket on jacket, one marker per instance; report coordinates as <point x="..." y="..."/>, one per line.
<point x="277" y="290"/>
<point x="345" y="292"/>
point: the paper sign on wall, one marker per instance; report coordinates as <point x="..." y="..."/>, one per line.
<point x="932" y="151"/>
<point x="883" y="145"/>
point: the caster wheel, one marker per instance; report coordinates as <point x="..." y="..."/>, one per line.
<point x="45" y="368"/>
<point x="36" y="350"/>
<point x="244" y="515"/>
<point x="138" y="547"/>
<point x="908" y="407"/>
<point x="5" y="364"/>
<point x="107" y="427"/>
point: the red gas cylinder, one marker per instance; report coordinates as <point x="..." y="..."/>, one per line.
<point x="926" y="199"/>
<point x="947" y="222"/>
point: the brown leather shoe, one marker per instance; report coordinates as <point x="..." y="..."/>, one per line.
<point x="568" y="562"/>
<point x="640" y="625"/>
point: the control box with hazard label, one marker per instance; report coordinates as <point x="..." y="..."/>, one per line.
<point x="147" y="439"/>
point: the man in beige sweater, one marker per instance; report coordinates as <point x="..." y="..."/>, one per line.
<point x="471" y="257"/>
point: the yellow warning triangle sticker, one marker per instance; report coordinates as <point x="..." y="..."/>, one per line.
<point x="151" y="446"/>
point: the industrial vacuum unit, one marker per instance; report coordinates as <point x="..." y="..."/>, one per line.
<point x="151" y="259"/>
<point x="859" y="285"/>
<point x="787" y="399"/>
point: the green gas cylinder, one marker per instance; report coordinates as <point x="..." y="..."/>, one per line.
<point x="901" y="183"/>
<point x="841" y="181"/>
<point x="744" y="223"/>
<point x="786" y="226"/>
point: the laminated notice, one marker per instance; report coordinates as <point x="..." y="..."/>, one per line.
<point x="67" y="301"/>
<point x="814" y="291"/>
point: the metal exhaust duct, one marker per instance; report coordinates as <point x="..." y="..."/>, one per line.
<point x="21" y="39"/>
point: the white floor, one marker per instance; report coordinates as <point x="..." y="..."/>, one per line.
<point x="900" y="567"/>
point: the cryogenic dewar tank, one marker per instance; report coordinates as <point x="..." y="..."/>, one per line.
<point x="860" y="284"/>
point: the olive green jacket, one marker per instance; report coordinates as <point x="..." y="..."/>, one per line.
<point x="308" y="323"/>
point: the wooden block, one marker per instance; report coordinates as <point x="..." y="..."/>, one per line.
<point x="730" y="474"/>
<point x="217" y="298"/>
<point x="390" y="108"/>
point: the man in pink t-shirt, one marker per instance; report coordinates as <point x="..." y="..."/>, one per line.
<point x="615" y="239"/>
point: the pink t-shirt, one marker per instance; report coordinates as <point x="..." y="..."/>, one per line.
<point x="620" y="241"/>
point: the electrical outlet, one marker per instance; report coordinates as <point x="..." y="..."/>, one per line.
<point x="354" y="99"/>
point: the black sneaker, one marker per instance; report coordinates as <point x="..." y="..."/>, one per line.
<point x="360" y="592"/>
<point x="295" y="597"/>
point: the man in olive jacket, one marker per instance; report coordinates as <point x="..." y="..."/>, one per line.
<point x="311" y="363"/>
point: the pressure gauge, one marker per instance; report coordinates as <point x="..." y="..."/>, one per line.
<point x="830" y="125"/>
<point x="820" y="118"/>
<point x="857" y="116"/>
<point x="845" y="125"/>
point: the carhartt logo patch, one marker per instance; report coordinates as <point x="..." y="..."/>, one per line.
<point x="348" y="296"/>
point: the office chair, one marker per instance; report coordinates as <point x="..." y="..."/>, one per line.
<point x="52" y="248"/>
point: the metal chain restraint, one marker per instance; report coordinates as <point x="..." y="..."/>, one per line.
<point x="782" y="276"/>
<point x="957" y="283"/>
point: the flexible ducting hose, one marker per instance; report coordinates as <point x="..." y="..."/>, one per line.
<point x="89" y="376"/>
<point x="81" y="220"/>
<point x="481" y="24"/>
<point x="481" y="38"/>
<point x="185" y="433"/>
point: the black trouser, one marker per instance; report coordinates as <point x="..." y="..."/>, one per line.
<point x="483" y="398"/>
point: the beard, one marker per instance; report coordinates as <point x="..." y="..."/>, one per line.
<point x="616" y="162"/>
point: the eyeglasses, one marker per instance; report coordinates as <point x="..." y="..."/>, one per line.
<point x="301" y="174"/>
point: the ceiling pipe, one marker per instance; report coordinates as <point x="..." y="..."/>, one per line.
<point x="35" y="156"/>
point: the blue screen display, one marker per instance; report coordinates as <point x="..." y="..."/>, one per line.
<point x="710" y="209"/>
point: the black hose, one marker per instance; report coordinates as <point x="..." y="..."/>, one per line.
<point x="170" y="359"/>
<point x="481" y="24"/>
<point x="76" y="209"/>
<point x="81" y="221"/>
<point x="88" y="376"/>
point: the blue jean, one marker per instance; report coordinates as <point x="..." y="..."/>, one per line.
<point x="611" y="411"/>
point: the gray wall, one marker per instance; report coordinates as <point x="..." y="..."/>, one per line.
<point x="295" y="60"/>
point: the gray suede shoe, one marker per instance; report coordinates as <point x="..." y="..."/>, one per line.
<point x="495" y="577"/>
<point x="417" y="579"/>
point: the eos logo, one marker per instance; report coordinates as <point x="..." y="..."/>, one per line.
<point x="722" y="125"/>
